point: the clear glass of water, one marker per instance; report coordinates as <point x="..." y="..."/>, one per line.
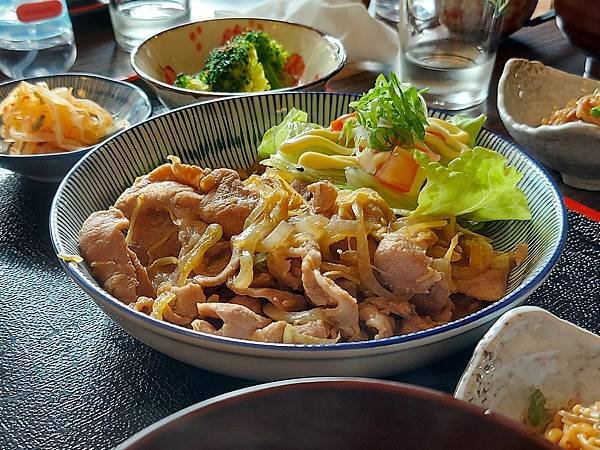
<point x="449" y="46"/>
<point x="134" y="21"/>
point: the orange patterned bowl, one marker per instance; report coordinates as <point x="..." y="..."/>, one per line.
<point x="184" y="49"/>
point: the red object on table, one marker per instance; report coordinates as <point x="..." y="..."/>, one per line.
<point x="590" y="213"/>
<point x="32" y="12"/>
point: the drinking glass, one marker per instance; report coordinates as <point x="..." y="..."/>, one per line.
<point x="388" y="9"/>
<point x="134" y="21"/>
<point x="449" y="46"/>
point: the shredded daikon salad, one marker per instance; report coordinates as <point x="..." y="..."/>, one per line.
<point x="37" y="119"/>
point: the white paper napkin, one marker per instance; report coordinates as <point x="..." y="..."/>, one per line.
<point x="364" y="37"/>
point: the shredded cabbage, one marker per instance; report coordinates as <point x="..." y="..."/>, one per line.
<point x="291" y="336"/>
<point x="478" y="186"/>
<point x="36" y="119"/>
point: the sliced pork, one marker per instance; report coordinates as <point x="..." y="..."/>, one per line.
<point x="403" y="267"/>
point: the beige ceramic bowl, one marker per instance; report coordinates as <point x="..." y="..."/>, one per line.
<point x="529" y="91"/>
<point x="529" y="348"/>
<point x="184" y="49"/>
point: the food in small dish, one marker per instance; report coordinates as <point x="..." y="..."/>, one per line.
<point x="37" y="119"/>
<point x="535" y="368"/>
<point x="528" y="92"/>
<point x="249" y="62"/>
<point x="126" y="103"/>
<point x="283" y="255"/>
<point x="584" y="109"/>
<point x="572" y="426"/>
<point x="184" y="49"/>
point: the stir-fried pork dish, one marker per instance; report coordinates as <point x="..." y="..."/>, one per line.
<point x="272" y="259"/>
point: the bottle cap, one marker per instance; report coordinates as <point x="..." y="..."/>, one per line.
<point x="36" y="11"/>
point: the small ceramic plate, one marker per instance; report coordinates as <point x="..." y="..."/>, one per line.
<point x="529" y="348"/>
<point x="122" y="100"/>
<point x="528" y="91"/>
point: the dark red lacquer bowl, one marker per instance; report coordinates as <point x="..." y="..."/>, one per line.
<point x="579" y="20"/>
<point x="335" y="413"/>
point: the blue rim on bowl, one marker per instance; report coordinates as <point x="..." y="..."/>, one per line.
<point x="512" y="299"/>
<point x="62" y="161"/>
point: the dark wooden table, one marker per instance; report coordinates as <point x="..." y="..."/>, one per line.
<point x="98" y="53"/>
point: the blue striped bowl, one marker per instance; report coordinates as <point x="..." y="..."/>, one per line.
<point x="122" y="100"/>
<point x="225" y="133"/>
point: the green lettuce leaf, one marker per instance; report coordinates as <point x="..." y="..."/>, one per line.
<point x="472" y="125"/>
<point x="292" y="124"/>
<point x="538" y="416"/>
<point x="477" y="185"/>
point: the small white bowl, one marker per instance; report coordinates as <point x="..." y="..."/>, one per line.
<point x="184" y="49"/>
<point x="529" y="91"/>
<point x="529" y="348"/>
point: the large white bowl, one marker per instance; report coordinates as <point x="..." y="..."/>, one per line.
<point x="184" y="49"/>
<point x="225" y="134"/>
<point x="529" y="348"/>
<point x="528" y="91"/>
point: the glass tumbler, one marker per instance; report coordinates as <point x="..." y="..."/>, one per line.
<point x="449" y="47"/>
<point x="134" y="21"/>
<point x="388" y="9"/>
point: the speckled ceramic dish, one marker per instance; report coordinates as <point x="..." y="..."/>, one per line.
<point x="529" y="91"/>
<point x="529" y="348"/>
<point x="122" y="100"/>
<point x="184" y="49"/>
<point x="226" y="133"/>
<point x="335" y="413"/>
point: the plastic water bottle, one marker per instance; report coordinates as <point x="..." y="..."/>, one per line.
<point x="36" y="38"/>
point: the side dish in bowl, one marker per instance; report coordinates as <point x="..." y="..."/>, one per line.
<point x="330" y="413"/>
<point x="296" y="259"/>
<point x="48" y="123"/>
<point x="522" y="371"/>
<point x="571" y="425"/>
<point x="555" y="116"/>
<point x="219" y="58"/>
<point x="37" y="119"/>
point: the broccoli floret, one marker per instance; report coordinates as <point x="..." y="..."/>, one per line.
<point x="272" y="56"/>
<point x="250" y="62"/>
<point x="196" y="82"/>
<point x="235" y="68"/>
